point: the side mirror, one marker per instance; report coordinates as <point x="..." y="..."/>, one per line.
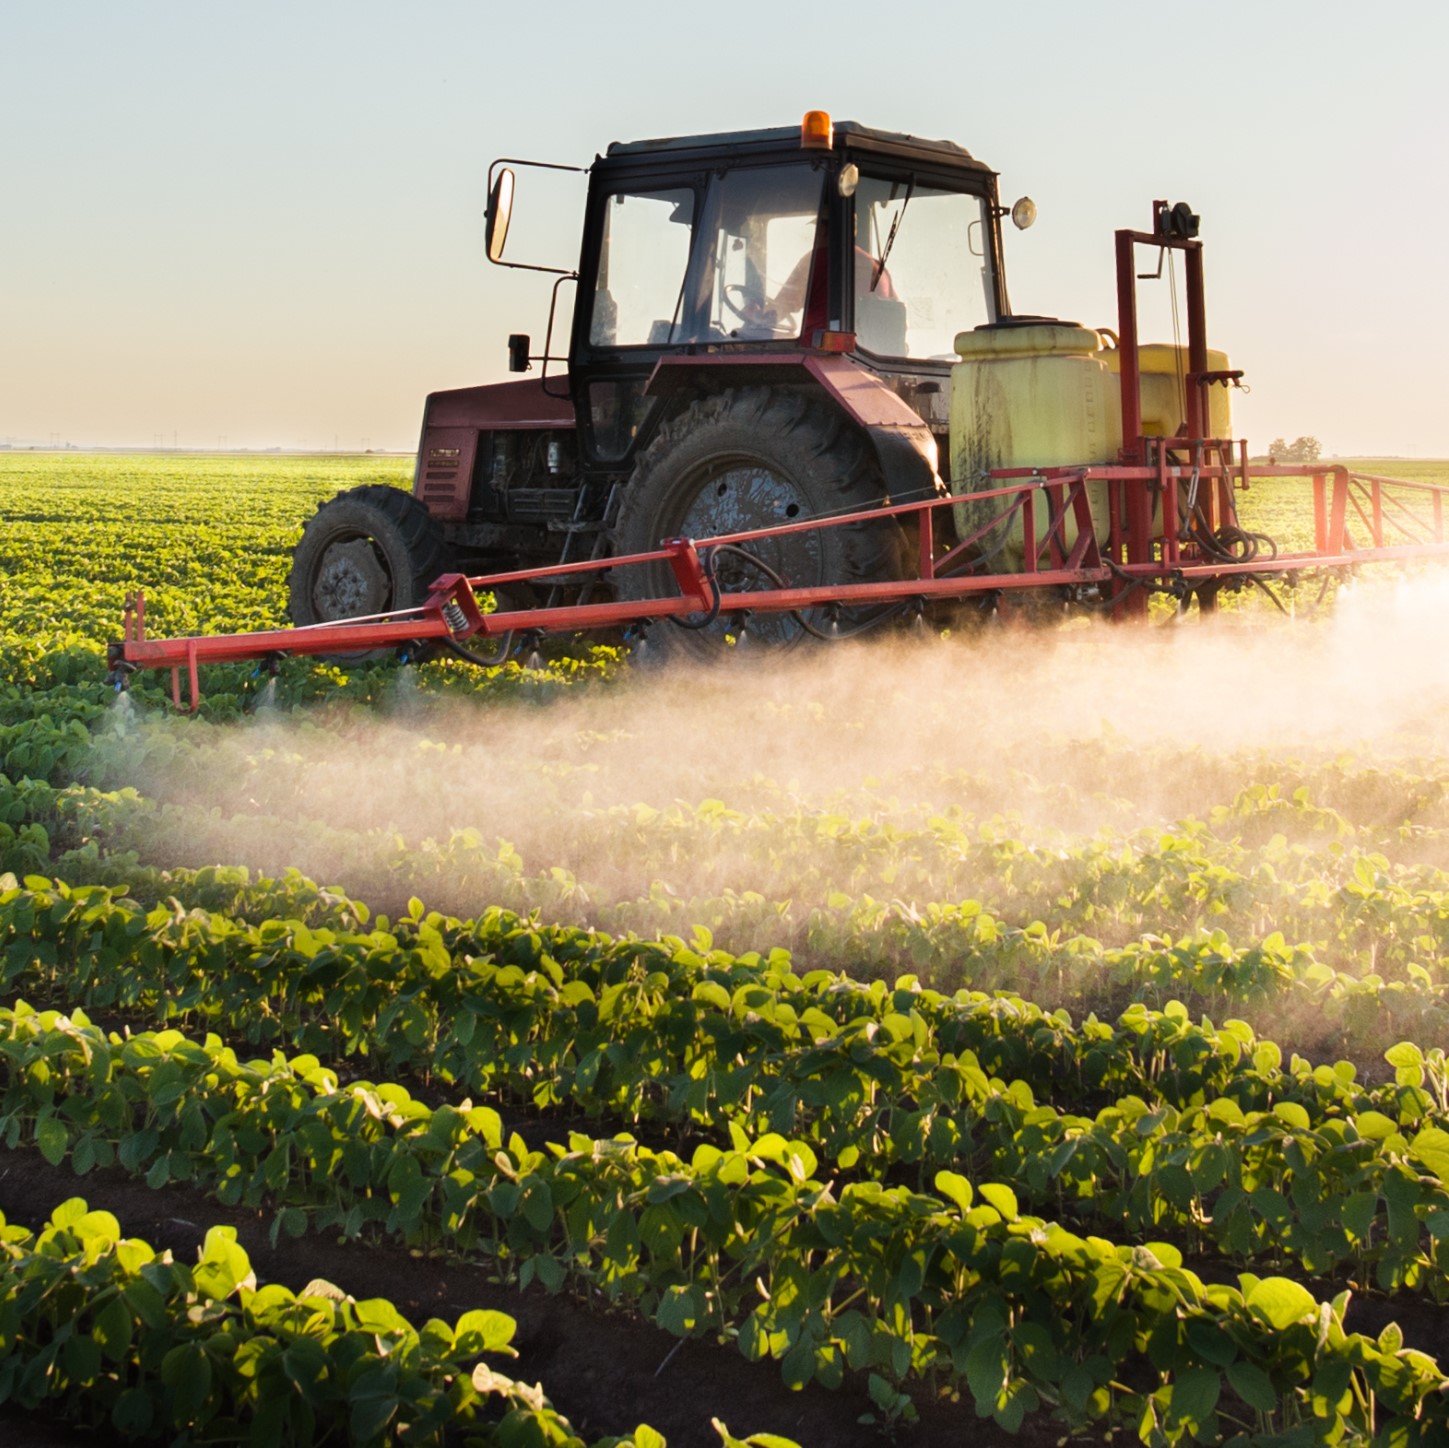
<point x="500" y="210"/>
<point x="518" y="345"/>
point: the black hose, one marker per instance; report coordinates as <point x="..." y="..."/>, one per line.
<point x="708" y="561"/>
<point x="1278" y="602"/>
<point x="505" y="647"/>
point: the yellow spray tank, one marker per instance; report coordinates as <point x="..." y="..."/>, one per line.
<point x="1049" y="394"/>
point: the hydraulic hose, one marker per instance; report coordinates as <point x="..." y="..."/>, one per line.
<point x="708" y="562"/>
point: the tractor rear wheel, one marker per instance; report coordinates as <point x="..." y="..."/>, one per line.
<point x="373" y="549"/>
<point x="757" y="458"/>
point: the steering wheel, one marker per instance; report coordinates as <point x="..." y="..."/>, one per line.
<point x="752" y="310"/>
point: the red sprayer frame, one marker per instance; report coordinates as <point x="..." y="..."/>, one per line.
<point x="1189" y="479"/>
<point x="1357" y="518"/>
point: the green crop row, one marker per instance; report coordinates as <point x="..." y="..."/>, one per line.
<point x="875" y="1080"/>
<point x="124" y="1338"/>
<point x="1332" y="890"/>
<point x="1344" y="899"/>
<point x="746" y="1242"/>
<point x="1376" y="1004"/>
<point x="408" y="995"/>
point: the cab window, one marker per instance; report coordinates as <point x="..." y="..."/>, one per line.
<point x="642" y="265"/>
<point x="756" y="249"/>
<point x="920" y="267"/>
<point x="730" y="263"/>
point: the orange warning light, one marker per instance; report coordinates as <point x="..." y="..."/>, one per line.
<point x="817" y="133"/>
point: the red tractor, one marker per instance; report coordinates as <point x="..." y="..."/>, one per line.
<point x="742" y="354"/>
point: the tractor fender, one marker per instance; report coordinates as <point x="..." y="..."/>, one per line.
<point x="901" y="440"/>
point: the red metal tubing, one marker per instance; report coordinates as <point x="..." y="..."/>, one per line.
<point x="1195" y="403"/>
<point x="452" y="612"/>
<point x="1127" y="345"/>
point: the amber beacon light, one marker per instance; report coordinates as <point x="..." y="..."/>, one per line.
<point x="816" y="131"/>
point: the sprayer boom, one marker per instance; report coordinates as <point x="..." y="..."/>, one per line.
<point x="1357" y="519"/>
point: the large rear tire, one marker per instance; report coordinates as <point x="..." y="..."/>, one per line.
<point x="373" y="549"/>
<point x="757" y="458"/>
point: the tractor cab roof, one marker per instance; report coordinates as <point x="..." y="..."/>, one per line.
<point x="848" y="135"/>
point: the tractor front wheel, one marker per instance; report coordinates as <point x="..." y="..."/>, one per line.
<point x="370" y="550"/>
<point x="758" y="458"/>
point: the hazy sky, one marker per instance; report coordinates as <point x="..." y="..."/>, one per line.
<point x="261" y="223"/>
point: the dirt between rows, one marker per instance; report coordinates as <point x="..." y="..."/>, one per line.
<point x="605" y="1370"/>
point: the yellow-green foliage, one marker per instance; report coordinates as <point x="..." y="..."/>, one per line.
<point x="1059" y="923"/>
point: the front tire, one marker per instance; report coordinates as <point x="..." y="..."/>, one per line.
<point x="757" y="458"/>
<point x="373" y="549"/>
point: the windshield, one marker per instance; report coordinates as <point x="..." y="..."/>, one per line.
<point x="739" y="274"/>
<point x="921" y="268"/>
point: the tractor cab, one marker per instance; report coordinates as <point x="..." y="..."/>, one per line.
<point x="763" y="329"/>
<point x="830" y="239"/>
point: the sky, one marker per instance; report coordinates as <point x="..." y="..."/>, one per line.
<point x="261" y="224"/>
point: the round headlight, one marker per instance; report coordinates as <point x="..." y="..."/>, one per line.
<point x="1023" y="213"/>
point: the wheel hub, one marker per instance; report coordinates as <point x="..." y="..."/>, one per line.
<point x="741" y="496"/>
<point x="351" y="581"/>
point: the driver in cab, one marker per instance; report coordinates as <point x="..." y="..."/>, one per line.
<point x="872" y="286"/>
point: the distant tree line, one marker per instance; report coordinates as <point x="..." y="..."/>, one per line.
<point x="1300" y="450"/>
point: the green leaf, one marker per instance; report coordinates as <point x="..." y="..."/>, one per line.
<point x="755" y="1440"/>
<point x="378" y="1314"/>
<point x="1253" y="1386"/>
<point x="986" y="1369"/>
<point x="1078" y="1386"/>
<point x="852" y="1331"/>
<point x="484" y="1330"/>
<point x="1431" y="1148"/>
<point x="1194" y="1399"/>
<point x="1000" y="1196"/>
<point x="147" y="1304"/>
<point x="550" y="1271"/>
<point x="1017" y="1399"/>
<point x="224" y="1266"/>
<point x="133" y="1413"/>
<point x="1280" y="1302"/>
<point x="305" y="1364"/>
<point x="538" y="1204"/>
<point x="1406" y="1053"/>
<point x="83" y="1158"/>
<point x="955" y="1188"/>
<point x="1374" y="1125"/>
<point x="798" y="1366"/>
<point x="1293" y="1114"/>
<point x="52" y="1138"/>
<point x="186" y="1371"/>
<point x="1357" y="1212"/>
<point x="374" y="1401"/>
<point x="112" y="1328"/>
<point x="82" y="1359"/>
<point x="1210" y="1342"/>
<point x="682" y="1309"/>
